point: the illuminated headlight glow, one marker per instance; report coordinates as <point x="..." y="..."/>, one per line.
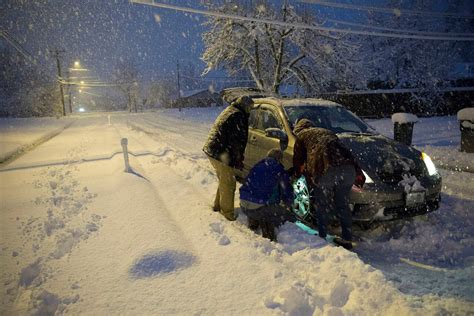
<point x="429" y="164"/>
<point x="367" y="178"/>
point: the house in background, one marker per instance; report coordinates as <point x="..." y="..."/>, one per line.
<point x="197" y="98"/>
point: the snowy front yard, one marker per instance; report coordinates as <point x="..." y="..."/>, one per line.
<point x="80" y="236"/>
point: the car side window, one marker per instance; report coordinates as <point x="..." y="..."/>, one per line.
<point x="253" y="118"/>
<point x="269" y="120"/>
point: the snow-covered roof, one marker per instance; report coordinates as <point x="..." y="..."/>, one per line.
<point x="404" y="118"/>
<point x="185" y="94"/>
<point x="466" y="114"/>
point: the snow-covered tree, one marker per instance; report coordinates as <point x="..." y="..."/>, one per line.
<point x="275" y="55"/>
<point x="159" y="94"/>
<point x="126" y="78"/>
<point x="413" y="63"/>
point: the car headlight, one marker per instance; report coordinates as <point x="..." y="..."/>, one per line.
<point x="429" y="164"/>
<point x="367" y="178"/>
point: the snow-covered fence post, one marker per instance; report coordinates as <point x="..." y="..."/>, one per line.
<point x="466" y="124"/>
<point x="403" y="127"/>
<point x="125" y="154"/>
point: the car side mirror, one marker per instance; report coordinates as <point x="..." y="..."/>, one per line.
<point x="278" y="134"/>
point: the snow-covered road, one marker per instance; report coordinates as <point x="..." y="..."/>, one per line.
<point x="87" y="238"/>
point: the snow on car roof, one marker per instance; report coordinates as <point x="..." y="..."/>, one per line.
<point x="302" y="102"/>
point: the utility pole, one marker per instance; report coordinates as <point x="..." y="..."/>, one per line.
<point x="69" y="92"/>
<point x="179" y="88"/>
<point x="57" y="54"/>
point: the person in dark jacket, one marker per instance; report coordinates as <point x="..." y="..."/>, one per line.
<point x="266" y="186"/>
<point x="330" y="170"/>
<point x="225" y="148"/>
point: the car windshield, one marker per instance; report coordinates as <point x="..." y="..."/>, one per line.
<point x="334" y="118"/>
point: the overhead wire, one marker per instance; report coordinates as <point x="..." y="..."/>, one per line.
<point x="27" y="55"/>
<point x="227" y="80"/>
<point x="395" y="30"/>
<point x="300" y="25"/>
<point x="395" y="11"/>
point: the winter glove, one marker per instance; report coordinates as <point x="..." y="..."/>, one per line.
<point x="239" y="165"/>
<point x="225" y="158"/>
<point x="291" y="171"/>
<point x="298" y="171"/>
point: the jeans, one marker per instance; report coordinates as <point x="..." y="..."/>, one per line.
<point x="267" y="217"/>
<point x="331" y="193"/>
<point x="273" y="213"/>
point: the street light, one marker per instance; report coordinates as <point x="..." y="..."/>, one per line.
<point x="77" y="67"/>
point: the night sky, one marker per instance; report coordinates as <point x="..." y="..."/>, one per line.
<point x="101" y="33"/>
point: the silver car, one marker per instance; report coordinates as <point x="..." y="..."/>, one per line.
<point x="400" y="180"/>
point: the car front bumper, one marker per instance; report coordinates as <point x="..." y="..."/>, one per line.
<point x="376" y="203"/>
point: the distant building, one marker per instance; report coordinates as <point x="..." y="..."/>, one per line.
<point x="197" y="99"/>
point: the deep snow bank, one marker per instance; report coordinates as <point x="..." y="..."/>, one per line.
<point x="18" y="134"/>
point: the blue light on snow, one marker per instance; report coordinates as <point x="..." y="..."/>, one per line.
<point x="311" y="231"/>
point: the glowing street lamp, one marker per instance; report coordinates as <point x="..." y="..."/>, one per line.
<point x="77" y="66"/>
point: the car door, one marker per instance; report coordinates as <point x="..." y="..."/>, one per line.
<point x="250" y="150"/>
<point x="267" y="119"/>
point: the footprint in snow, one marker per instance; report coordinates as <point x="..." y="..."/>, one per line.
<point x="217" y="229"/>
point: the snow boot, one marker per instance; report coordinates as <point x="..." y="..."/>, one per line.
<point x="253" y="224"/>
<point x="268" y="230"/>
<point x="230" y="217"/>
<point x="346" y="244"/>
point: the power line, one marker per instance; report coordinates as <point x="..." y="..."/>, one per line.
<point x="395" y="11"/>
<point x="99" y="84"/>
<point x="228" y="80"/>
<point x="396" y="30"/>
<point x="27" y="55"/>
<point x="299" y="25"/>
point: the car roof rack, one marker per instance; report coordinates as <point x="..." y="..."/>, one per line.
<point x="229" y="95"/>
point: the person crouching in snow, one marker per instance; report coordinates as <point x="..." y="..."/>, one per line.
<point x="330" y="170"/>
<point x="266" y="185"/>
<point x="225" y="148"/>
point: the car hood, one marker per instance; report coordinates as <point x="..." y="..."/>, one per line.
<point x="383" y="158"/>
